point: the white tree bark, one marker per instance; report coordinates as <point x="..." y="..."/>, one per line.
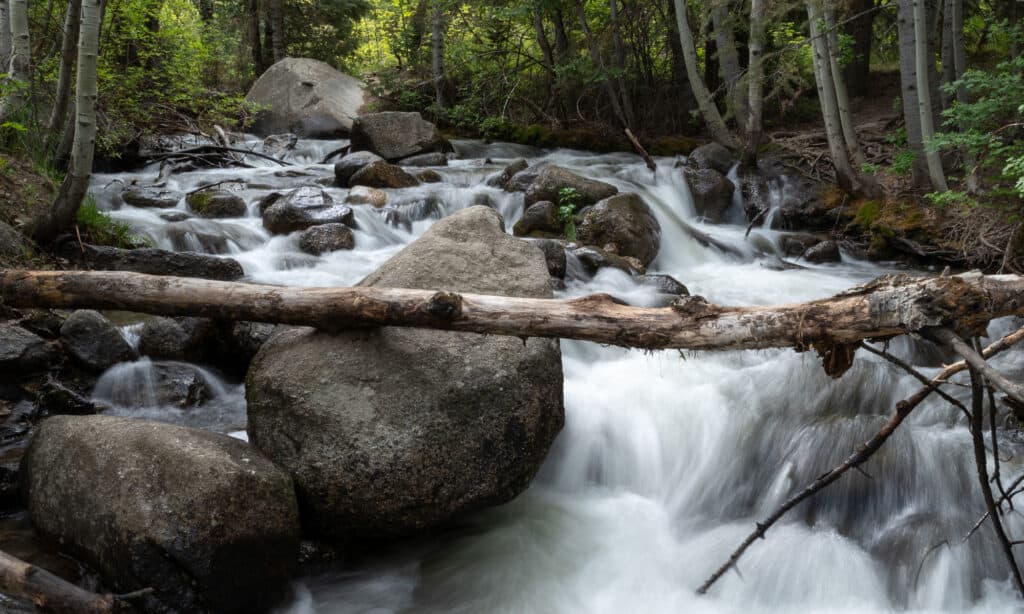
<point x="755" y="78"/>
<point x="842" y="97"/>
<point x="845" y="174"/>
<point x="62" y="213"/>
<point x="706" y="103"/>
<point x="20" y="58"/>
<point x="5" y="34"/>
<point x="923" y="66"/>
<point x="62" y="95"/>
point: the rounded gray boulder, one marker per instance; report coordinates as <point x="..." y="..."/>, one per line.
<point x="306" y="97"/>
<point x="388" y="431"/>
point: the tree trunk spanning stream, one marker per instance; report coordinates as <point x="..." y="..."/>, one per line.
<point x="885" y="307"/>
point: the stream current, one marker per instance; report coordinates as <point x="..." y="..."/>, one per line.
<point x="667" y="458"/>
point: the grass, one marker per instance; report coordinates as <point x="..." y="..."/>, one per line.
<point x="103" y="230"/>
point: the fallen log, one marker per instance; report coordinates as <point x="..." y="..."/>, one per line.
<point x="49" y="593"/>
<point x="885" y="307"/>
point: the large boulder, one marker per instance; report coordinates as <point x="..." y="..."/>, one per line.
<point x="713" y="156"/>
<point x="203" y="519"/>
<point x="152" y="261"/>
<point x="711" y="191"/>
<point x="380" y="174"/>
<point x="553" y="179"/>
<point x="94" y="341"/>
<point x="624" y="225"/>
<point x="304" y="208"/>
<point x="394" y="135"/>
<point x="306" y="97"/>
<point x="392" y="430"/>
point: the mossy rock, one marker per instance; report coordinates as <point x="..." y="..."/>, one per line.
<point x="216" y="204"/>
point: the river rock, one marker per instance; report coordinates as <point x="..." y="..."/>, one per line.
<point x="175" y="216"/>
<point x="826" y="251"/>
<point x="711" y="191"/>
<point x="307" y="97"/>
<point x="148" y="197"/>
<point x="363" y="195"/>
<point x="326" y="238"/>
<point x="429" y="176"/>
<point x="553" y="179"/>
<point x="594" y="259"/>
<point x="304" y="208"/>
<point x="713" y="156"/>
<point x="56" y="399"/>
<point x="794" y="245"/>
<point x="540" y="220"/>
<point x="203" y="519"/>
<point x="395" y="218"/>
<point x="151" y="261"/>
<point x="434" y="158"/>
<point x="278" y="145"/>
<point x="405" y="429"/>
<point x="554" y="256"/>
<point x="185" y="338"/>
<point x="521" y="181"/>
<point x="380" y="174"/>
<point x="502" y="179"/>
<point x="94" y="341"/>
<point x="216" y="204"/>
<point x="665" y="284"/>
<point x="190" y="236"/>
<point x="24" y="352"/>
<point x="395" y="135"/>
<point x="625" y="222"/>
<point x="351" y="164"/>
<point x="180" y="385"/>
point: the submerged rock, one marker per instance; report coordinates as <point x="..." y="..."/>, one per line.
<point x="625" y="223"/>
<point x="552" y="179"/>
<point x="826" y="251"/>
<point x="307" y="97"/>
<point x="304" y="208"/>
<point x="94" y="341"/>
<point x="148" y="197"/>
<point x="395" y="135"/>
<point x="403" y="429"/>
<point x="203" y="519"/>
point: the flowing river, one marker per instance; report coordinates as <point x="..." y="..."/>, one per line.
<point x="667" y="458"/>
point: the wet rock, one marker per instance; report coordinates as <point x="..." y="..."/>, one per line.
<point x="148" y="197"/>
<point x="393" y="135"/>
<point x="826" y="251"/>
<point x="351" y="164"/>
<point x="502" y="179"/>
<point x="404" y="429"/>
<point x="484" y="200"/>
<point x="426" y="159"/>
<point x="189" y="339"/>
<point x="665" y="284"/>
<point x="179" y="385"/>
<point x="712" y="193"/>
<point x="713" y="156"/>
<point x="625" y="222"/>
<point x="267" y="200"/>
<point x="380" y="174"/>
<point x="278" y="145"/>
<point x="396" y="218"/>
<point x="94" y="341"/>
<point x="304" y="208"/>
<point x="521" y="181"/>
<point x="422" y="208"/>
<point x="553" y="179"/>
<point x="175" y="216"/>
<point x="204" y="519"/>
<point x="594" y="259"/>
<point x="24" y="352"/>
<point x="216" y="204"/>
<point x="554" y="256"/>
<point x="152" y="261"/>
<point x="246" y="340"/>
<point x="539" y="220"/>
<point x="326" y="238"/>
<point x="362" y="195"/>
<point x="794" y="245"/>
<point x="189" y="236"/>
<point x="429" y="176"/>
<point x="307" y="97"/>
<point x="44" y="322"/>
<point x="56" y="399"/>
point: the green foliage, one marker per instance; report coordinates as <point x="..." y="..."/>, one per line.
<point x="102" y="230"/>
<point x="569" y="199"/>
<point x="951" y="197"/>
<point x="903" y="162"/>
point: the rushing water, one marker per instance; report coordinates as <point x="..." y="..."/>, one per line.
<point x="667" y="458"/>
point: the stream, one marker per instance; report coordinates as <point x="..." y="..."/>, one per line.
<point x="667" y="458"/>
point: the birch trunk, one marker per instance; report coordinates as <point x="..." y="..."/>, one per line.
<point x="888" y="306"/>
<point x="909" y="90"/>
<point x="68" y="57"/>
<point x="842" y="97"/>
<point x="845" y="175"/>
<point x="62" y="213"/>
<point x="18" y="66"/>
<point x="5" y="34"/>
<point x="437" y="55"/>
<point x="755" y="77"/>
<point x="959" y="66"/>
<point x="923" y="67"/>
<point x="728" y="58"/>
<point x="705" y="102"/>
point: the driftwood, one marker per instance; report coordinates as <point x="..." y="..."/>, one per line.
<point x="202" y="152"/>
<point x="885" y="307"/>
<point x="49" y="593"/>
<point x="635" y="142"/>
